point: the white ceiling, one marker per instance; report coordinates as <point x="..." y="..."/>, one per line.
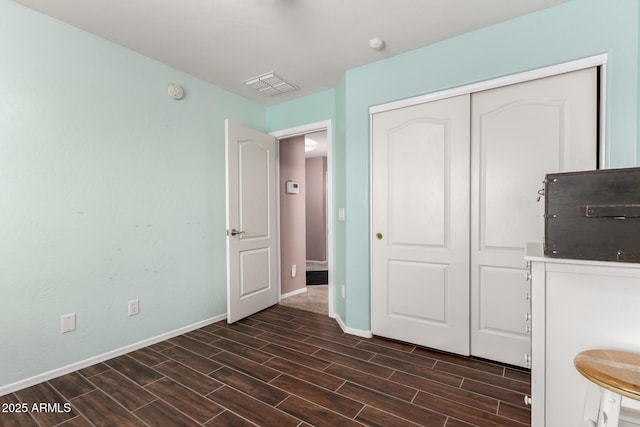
<point x="310" y="43"/>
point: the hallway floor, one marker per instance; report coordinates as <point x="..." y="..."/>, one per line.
<point x="315" y="299"/>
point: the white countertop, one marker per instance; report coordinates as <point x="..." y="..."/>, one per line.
<point x="535" y="252"/>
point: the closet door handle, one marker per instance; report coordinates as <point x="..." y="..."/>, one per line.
<point x="379" y="236"/>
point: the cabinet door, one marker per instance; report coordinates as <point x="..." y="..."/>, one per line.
<point x="420" y="224"/>
<point x="519" y="133"/>
<point x="587" y="307"/>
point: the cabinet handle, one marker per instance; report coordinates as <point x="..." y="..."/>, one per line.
<point x="527" y="317"/>
<point x="527" y="400"/>
<point x="527" y="276"/>
<point x="527" y="329"/>
<point x="527" y="296"/>
<point x="527" y="360"/>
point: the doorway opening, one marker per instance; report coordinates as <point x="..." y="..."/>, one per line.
<point x="305" y="219"/>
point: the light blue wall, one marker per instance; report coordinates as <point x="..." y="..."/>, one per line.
<point x="109" y="191"/>
<point x="573" y="30"/>
<point x="314" y="108"/>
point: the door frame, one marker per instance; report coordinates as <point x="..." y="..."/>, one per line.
<point x="325" y="125"/>
<point x="599" y="61"/>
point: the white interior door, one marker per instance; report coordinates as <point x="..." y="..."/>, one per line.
<point x="251" y="221"/>
<point x="519" y="133"/>
<point x="420" y="224"/>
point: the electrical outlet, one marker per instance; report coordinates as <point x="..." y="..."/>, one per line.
<point x="341" y="214"/>
<point x="294" y="270"/>
<point x="134" y="307"/>
<point x="68" y="323"/>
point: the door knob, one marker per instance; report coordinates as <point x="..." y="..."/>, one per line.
<point x="234" y="232"/>
<point x="379" y="236"/>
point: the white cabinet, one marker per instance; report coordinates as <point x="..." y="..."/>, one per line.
<point x="576" y="305"/>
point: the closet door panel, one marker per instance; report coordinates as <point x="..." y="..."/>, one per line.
<point x="417" y="183"/>
<point x="519" y="133"/>
<point x="419" y="291"/>
<point x="420" y="224"/>
<point x="498" y="281"/>
<point x="514" y="156"/>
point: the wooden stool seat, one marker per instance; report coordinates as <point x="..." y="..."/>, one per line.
<point x="618" y="373"/>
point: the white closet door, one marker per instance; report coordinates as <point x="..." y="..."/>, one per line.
<point x="519" y="133"/>
<point x="420" y="224"/>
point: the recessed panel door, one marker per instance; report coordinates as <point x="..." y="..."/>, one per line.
<point x="251" y="222"/>
<point x="420" y="224"/>
<point x="519" y="133"/>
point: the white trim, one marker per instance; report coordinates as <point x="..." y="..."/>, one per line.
<point x="293" y="293"/>
<point x="352" y="331"/>
<point x="566" y="67"/>
<point x="46" y="376"/>
<point x="602" y="117"/>
<point x="302" y="130"/>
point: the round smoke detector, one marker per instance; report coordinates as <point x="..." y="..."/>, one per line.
<point x="175" y="91"/>
<point x="376" y="43"/>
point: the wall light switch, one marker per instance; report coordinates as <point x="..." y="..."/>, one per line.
<point x="68" y="322"/>
<point x="293" y="270"/>
<point x="341" y="215"/>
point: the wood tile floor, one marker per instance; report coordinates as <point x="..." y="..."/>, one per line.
<point x="281" y="367"/>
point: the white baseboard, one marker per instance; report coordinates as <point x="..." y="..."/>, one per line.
<point x="46" y="376"/>
<point x="292" y="293"/>
<point x="352" y="331"/>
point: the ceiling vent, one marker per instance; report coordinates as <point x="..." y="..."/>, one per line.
<point x="270" y="84"/>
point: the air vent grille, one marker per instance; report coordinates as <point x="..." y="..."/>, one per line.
<point x="270" y="84"/>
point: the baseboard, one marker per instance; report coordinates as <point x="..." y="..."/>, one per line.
<point x="310" y="261"/>
<point x="46" y="376"/>
<point x="352" y="331"/>
<point x="292" y="293"/>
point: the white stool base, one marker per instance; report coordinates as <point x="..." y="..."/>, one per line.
<point x="602" y="407"/>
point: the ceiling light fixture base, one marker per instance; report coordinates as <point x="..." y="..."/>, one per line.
<point x="376" y="43"/>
